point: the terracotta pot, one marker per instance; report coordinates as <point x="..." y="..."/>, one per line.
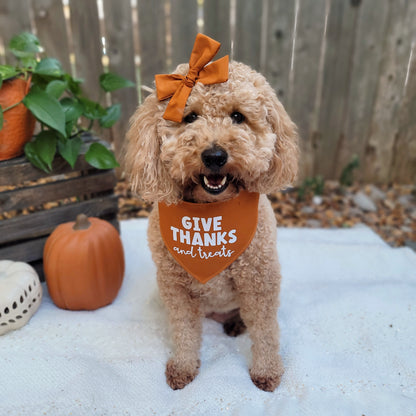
<point x="19" y="122"/>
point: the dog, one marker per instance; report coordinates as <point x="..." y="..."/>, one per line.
<point x="234" y="137"/>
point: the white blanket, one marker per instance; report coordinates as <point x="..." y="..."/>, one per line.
<point x="348" y="341"/>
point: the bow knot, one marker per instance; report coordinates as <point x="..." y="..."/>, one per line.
<point x="190" y="81"/>
<point x="178" y="87"/>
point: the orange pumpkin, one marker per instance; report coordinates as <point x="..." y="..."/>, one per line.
<point x="19" y="122"/>
<point x="83" y="263"/>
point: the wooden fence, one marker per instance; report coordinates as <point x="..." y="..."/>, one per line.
<point x="344" y="69"/>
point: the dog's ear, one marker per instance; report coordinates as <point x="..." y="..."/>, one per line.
<point x="143" y="166"/>
<point x="284" y="165"/>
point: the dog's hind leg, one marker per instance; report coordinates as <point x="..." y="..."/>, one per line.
<point x="231" y="322"/>
<point x="234" y="326"/>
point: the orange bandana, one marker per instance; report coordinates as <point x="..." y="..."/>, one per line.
<point x="206" y="238"/>
<point x="179" y="87"/>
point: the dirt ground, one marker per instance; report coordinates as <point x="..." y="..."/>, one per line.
<point x="389" y="210"/>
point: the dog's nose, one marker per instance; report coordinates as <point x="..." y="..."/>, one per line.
<point x="214" y="158"/>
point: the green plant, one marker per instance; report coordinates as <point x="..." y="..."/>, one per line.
<point x="56" y="100"/>
<point x="315" y="185"/>
<point x="347" y="174"/>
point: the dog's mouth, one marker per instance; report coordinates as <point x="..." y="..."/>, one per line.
<point x="214" y="183"/>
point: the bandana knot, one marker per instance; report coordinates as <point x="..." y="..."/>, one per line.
<point x="178" y="87"/>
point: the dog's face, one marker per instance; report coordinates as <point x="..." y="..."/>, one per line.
<point x="233" y="135"/>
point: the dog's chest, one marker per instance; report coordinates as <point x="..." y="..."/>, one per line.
<point x="218" y="294"/>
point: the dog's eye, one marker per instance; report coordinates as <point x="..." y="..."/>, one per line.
<point x="190" y="118"/>
<point x="237" y="117"/>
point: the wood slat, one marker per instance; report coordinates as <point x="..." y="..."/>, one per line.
<point x="26" y="251"/>
<point x="390" y="101"/>
<point x="152" y="40"/>
<point x="183" y="24"/>
<point x="54" y="191"/>
<point x="87" y="45"/>
<point x="248" y="24"/>
<point x="217" y="24"/>
<point x="304" y="80"/>
<point x="42" y="223"/>
<point x="279" y="45"/>
<point x="14" y="19"/>
<point x="49" y="18"/>
<point x="342" y="22"/>
<point x="18" y="170"/>
<point x="403" y="166"/>
<point x="365" y="69"/>
<point x="120" y="50"/>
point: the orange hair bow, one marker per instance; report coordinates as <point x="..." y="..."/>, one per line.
<point x="179" y="87"/>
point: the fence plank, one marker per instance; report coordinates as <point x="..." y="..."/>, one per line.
<point x="120" y="50"/>
<point x="87" y="46"/>
<point x="184" y="14"/>
<point x="14" y="19"/>
<point x="403" y="167"/>
<point x="248" y="24"/>
<point x="151" y="18"/>
<point x="279" y="45"/>
<point x="217" y="24"/>
<point x="305" y="78"/>
<point x="342" y="21"/>
<point x="385" y="123"/>
<point x="49" y="18"/>
<point x="365" y="69"/>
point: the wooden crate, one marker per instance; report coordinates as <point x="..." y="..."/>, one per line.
<point x="33" y="203"/>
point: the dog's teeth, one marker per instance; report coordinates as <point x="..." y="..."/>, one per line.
<point x="215" y="187"/>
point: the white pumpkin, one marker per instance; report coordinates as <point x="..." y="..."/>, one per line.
<point x="20" y="294"/>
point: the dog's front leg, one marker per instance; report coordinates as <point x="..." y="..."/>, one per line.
<point x="186" y="327"/>
<point x="258" y="309"/>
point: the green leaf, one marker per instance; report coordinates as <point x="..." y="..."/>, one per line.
<point x="49" y="66"/>
<point x="92" y="109"/>
<point x="1" y="80"/>
<point x="41" y="151"/>
<point x="56" y="88"/>
<point x="46" y="109"/>
<point x="33" y="157"/>
<point x="8" y="71"/>
<point x="73" y="84"/>
<point x="28" y="64"/>
<point x="69" y="128"/>
<point x="110" y="82"/>
<point x="113" y="114"/>
<point x="69" y="149"/>
<point x="25" y="45"/>
<point x="1" y="118"/>
<point x="100" y="157"/>
<point x="45" y="143"/>
<point x="73" y="109"/>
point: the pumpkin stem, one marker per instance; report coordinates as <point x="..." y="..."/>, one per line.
<point x="81" y="222"/>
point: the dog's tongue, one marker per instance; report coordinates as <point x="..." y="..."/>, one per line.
<point x="215" y="180"/>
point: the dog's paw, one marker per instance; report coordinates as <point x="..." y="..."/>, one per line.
<point x="266" y="383"/>
<point x="269" y="379"/>
<point x="178" y="376"/>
